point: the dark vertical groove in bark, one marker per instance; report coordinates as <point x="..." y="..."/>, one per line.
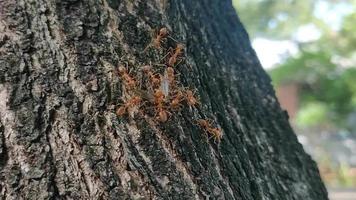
<point x="3" y="150"/>
<point x="60" y="139"/>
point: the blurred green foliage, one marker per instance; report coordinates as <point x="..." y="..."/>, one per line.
<point x="324" y="69"/>
<point x="271" y="18"/>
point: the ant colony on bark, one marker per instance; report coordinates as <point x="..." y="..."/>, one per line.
<point x="155" y="90"/>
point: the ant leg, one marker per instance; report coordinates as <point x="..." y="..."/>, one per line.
<point x="160" y="65"/>
<point x="178" y="107"/>
<point x="172" y="39"/>
<point x="165" y="55"/>
<point x="210" y="121"/>
<point x="180" y="60"/>
<point x="147" y="47"/>
<point x="210" y="137"/>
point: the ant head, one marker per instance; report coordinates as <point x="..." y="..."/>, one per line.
<point x="189" y="93"/>
<point x="158" y="92"/>
<point x="180" y="46"/>
<point x="170" y="70"/>
<point x="202" y="122"/>
<point x="137" y="98"/>
<point x="121" y="111"/>
<point x="122" y="69"/>
<point x="163" y="31"/>
<point x="179" y="93"/>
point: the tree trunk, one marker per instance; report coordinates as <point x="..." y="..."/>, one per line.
<point x="61" y="139"/>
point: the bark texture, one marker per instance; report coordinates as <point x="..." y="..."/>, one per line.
<point x="59" y="139"/>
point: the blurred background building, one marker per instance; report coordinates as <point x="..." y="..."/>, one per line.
<point x="309" y="49"/>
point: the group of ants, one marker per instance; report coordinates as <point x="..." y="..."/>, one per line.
<point x="162" y="94"/>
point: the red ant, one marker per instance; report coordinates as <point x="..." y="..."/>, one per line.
<point x="191" y="100"/>
<point x="175" y="103"/>
<point x="170" y="74"/>
<point x="128" y="80"/>
<point x="161" y="113"/>
<point x="177" y="52"/>
<point x="155" y="79"/>
<point x="134" y="101"/>
<point x="206" y="124"/>
<point x="156" y="42"/>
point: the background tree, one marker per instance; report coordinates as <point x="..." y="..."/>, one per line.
<point x="323" y="68"/>
<point x="322" y="65"/>
<point x="61" y="139"/>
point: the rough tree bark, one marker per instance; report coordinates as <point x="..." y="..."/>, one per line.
<point x="59" y="139"/>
